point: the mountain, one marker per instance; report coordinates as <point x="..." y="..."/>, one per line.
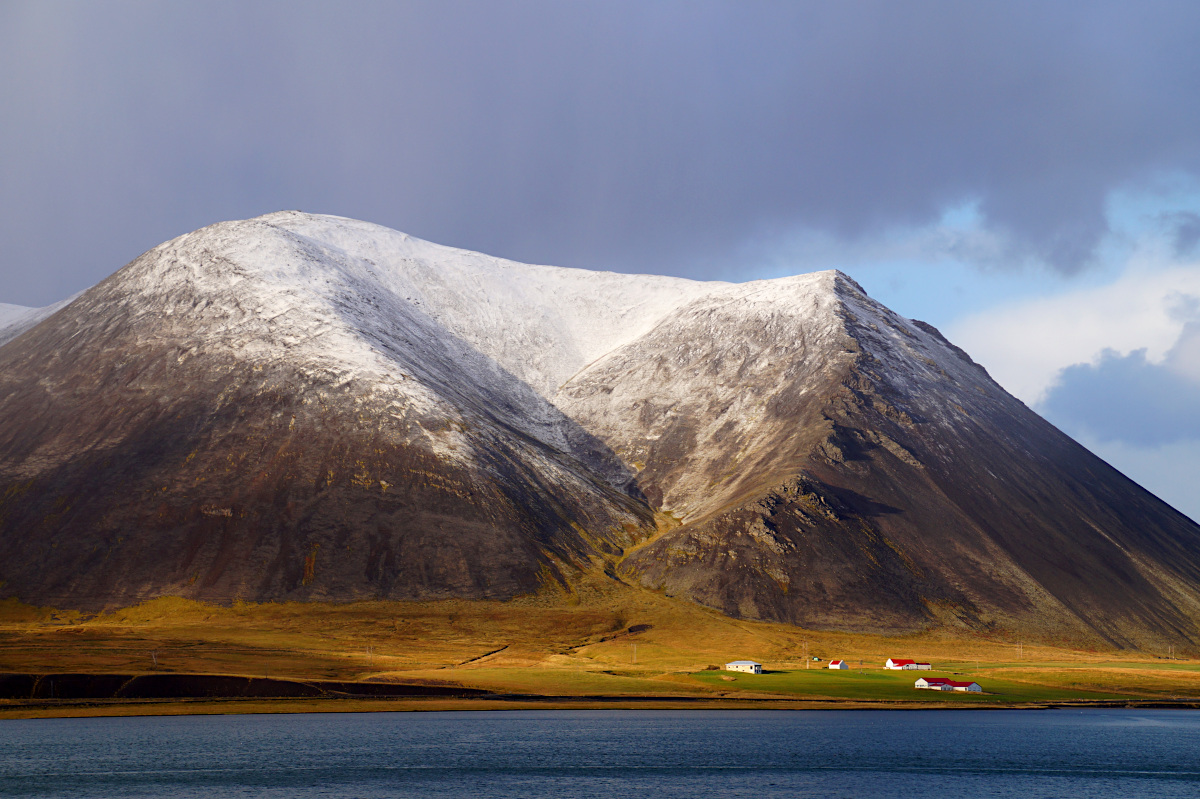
<point x="309" y="407"/>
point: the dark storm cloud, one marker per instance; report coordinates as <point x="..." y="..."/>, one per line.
<point x="1129" y="399"/>
<point x="626" y="135"/>
<point x="1185" y="227"/>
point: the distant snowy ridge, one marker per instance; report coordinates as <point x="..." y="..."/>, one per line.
<point x="16" y="319"/>
<point x="360" y="301"/>
<point x="11" y="313"/>
<point x="544" y="324"/>
<point x="417" y="325"/>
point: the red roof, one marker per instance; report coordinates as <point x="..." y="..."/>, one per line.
<point x="938" y="681"/>
<point x="834" y="661"/>
<point x="901" y="661"/>
<point x="960" y="683"/>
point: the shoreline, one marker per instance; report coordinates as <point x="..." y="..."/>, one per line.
<point x="113" y="708"/>
<point x="92" y="694"/>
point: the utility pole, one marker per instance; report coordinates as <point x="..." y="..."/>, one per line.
<point x="806" y="654"/>
<point x="635" y="653"/>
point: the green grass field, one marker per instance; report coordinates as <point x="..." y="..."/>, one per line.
<point x="878" y="684"/>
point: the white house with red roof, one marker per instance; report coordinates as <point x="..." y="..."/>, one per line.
<point x="905" y="664"/>
<point x="958" y="685"/>
<point x="838" y="664"/>
<point x="944" y="684"/>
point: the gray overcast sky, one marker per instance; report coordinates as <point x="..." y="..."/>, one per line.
<point x="638" y="136"/>
<point x="1024" y="174"/>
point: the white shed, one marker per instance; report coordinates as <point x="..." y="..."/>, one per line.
<point x="748" y="666"/>
<point x="933" y="684"/>
<point x="838" y="664"/>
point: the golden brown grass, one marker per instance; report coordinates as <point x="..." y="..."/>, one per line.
<point x="553" y="644"/>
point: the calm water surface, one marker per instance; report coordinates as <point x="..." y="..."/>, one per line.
<point x="759" y="754"/>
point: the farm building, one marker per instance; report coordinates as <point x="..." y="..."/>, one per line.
<point x="905" y="664"/>
<point x="748" y="666"/>
<point x="838" y="664"/>
<point x="943" y="684"/>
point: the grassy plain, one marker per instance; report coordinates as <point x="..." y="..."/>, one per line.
<point x="605" y="640"/>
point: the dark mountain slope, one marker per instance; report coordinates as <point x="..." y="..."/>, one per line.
<point x="852" y="469"/>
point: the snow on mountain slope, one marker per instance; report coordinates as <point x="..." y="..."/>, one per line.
<point x="542" y="323"/>
<point x="10" y="313"/>
<point x="16" y="319"/>
<point x="342" y="294"/>
<point x="361" y="302"/>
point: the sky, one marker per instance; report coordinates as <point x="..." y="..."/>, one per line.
<point x="1023" y="175"/>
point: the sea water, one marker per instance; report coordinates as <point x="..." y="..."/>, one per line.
<point x="618" y="753"/>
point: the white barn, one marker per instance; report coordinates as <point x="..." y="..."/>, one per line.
<point x="838" y="664"/>
<point x="748" y="666"/>
<point x="905" y="664"/>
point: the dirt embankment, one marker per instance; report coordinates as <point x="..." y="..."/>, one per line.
<point x="195" y="686"/>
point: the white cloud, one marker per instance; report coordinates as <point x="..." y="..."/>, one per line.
<point x="1026" y="344"/>
<point x="958" y="236"/>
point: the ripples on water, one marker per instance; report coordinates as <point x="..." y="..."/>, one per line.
<point x="1068" y="754"/>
